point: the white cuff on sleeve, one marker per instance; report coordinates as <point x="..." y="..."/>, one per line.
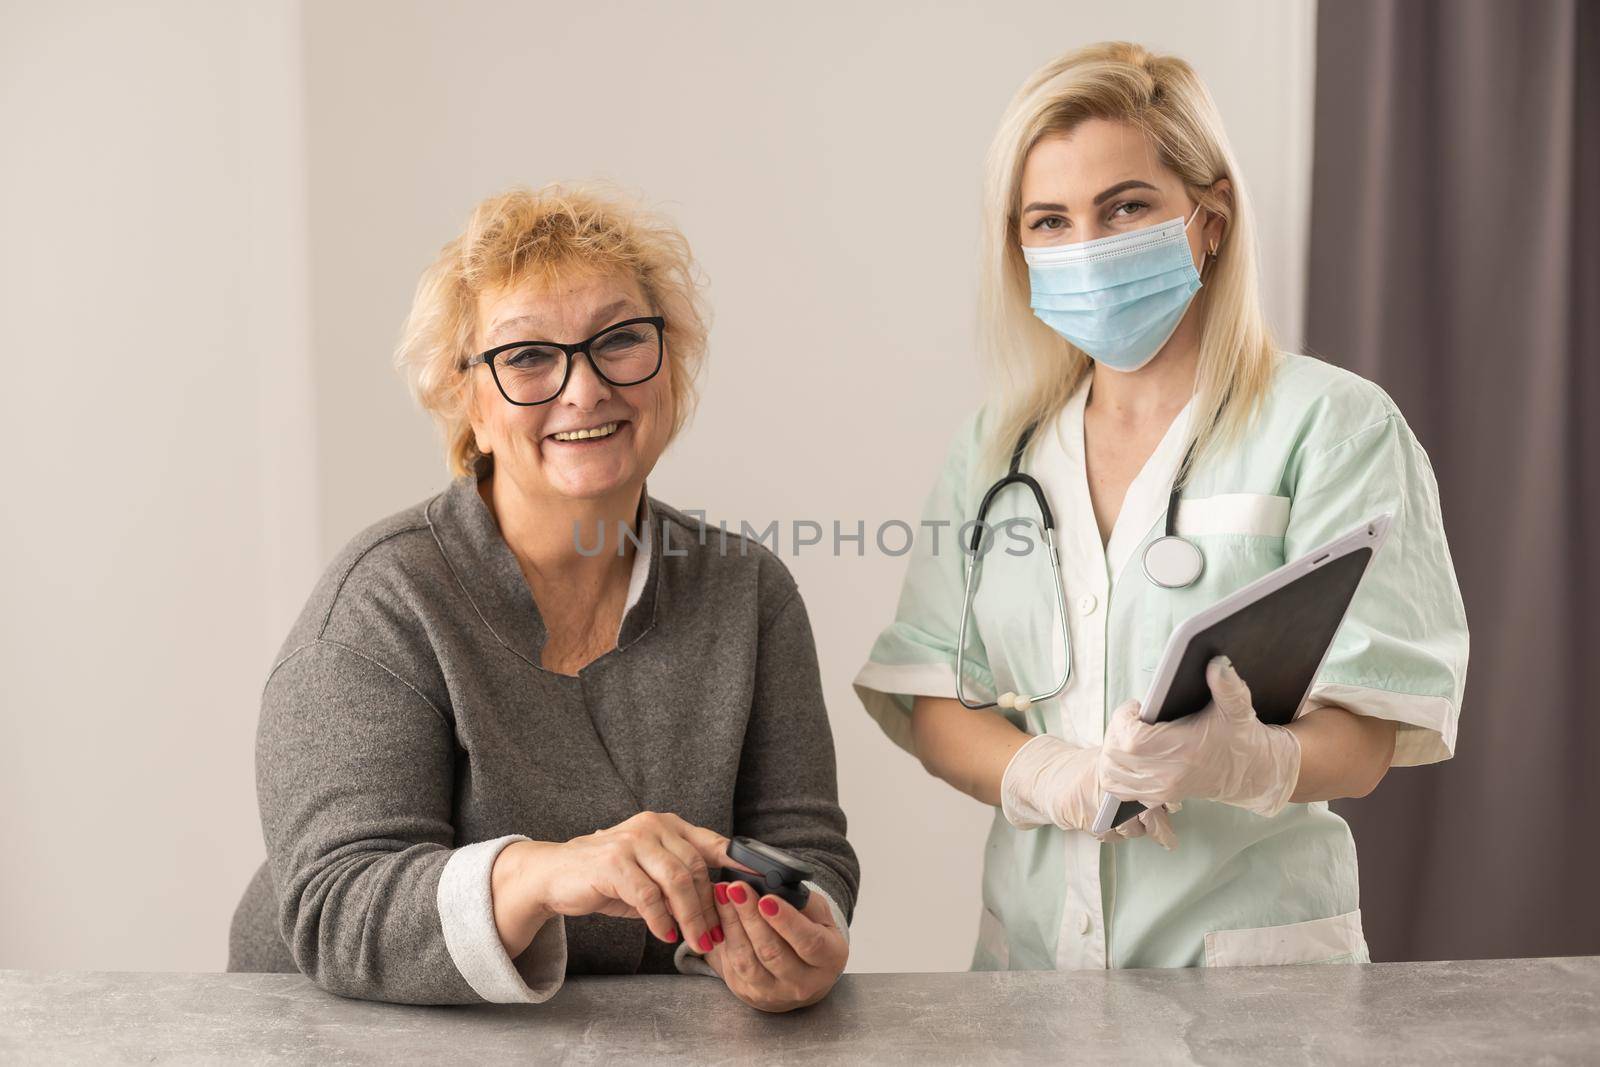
<point x="466" y="912"/>
<point x="882" y="686"/>
<point x="688" y="961"/>
<point x="833" y="908"/>
<point x="1428" y="733"/>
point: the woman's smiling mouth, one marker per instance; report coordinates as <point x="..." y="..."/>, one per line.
<point x="592" y="433"/>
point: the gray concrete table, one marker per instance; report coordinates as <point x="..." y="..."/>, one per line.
<point x="1495" y="1011"/>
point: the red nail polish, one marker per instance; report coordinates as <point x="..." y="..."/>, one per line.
<point x="769" y="907"/>
<point x="705" y="942"/>
<point x="736" y="893"/>
<point x="722" y="893"/>
<point x="716" y="934"/>
<point x="672" y="936"/>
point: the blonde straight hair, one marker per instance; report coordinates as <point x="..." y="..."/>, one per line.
<point x="1034" y="371"/>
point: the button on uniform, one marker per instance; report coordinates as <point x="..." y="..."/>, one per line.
<point x="1083" y="922"/>
<point x="1087" y="603"/>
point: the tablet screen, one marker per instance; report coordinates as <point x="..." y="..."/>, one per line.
<point x="1276" y="643"/>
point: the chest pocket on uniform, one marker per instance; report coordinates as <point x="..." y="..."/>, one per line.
<point x="1237" y="514"/>
<point x="1241" y="537"/>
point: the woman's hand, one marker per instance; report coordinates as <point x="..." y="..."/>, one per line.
<point x="776" y="958"/>
<point x="1052" y="781"/>
<point x="653" y="867"/>
<point x="1222" y="752"/>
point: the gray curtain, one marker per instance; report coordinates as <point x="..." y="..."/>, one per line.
<point x="1455" y="260"/>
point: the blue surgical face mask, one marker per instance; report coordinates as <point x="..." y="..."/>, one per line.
<point x="1117" y="298"/>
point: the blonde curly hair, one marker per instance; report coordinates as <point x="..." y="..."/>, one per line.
<point x="537" y="235"/>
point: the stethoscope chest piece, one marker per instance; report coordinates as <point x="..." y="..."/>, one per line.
<point x="1173" y="562"/>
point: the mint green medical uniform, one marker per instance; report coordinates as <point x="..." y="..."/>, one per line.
<point x="1327" y="451"/>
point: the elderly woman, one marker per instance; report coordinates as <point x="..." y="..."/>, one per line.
<point x="511" y="729"/>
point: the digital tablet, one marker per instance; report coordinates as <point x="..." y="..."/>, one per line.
<point x="1277" y="631"/>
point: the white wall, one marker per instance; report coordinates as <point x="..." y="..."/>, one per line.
<point x="159" y="531"/>
<point x="826" y="169"/>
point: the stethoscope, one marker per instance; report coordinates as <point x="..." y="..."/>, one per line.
<point x="1170" y="561"/>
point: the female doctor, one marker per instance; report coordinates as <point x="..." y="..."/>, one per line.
<point x="1135" y="369"/>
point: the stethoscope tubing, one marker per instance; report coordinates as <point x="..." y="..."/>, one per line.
<point x="1189" y="571"/>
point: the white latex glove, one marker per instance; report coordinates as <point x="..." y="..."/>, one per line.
<point x="1051" y="782"/>
<point x="1222" y="752"/>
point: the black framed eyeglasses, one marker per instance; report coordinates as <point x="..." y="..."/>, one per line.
<point x="535" y="372"/>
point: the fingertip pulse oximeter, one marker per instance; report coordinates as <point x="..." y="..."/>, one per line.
<point x="777" y="872"/>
